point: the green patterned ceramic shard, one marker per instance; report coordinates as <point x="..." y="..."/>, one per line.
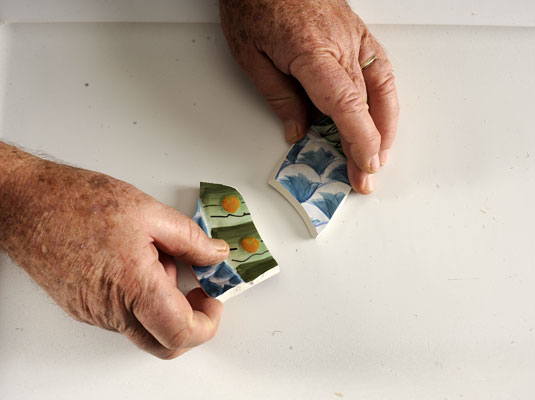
<point x="222" y="214"/>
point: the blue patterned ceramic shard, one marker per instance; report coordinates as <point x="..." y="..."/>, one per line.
<point x="222" y="214"/>
<point x="313" y="175"/>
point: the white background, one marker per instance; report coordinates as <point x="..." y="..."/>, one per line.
<point x="423" y="290"/>
<point x="451" y="12"/>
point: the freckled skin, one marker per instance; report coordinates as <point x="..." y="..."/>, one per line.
<point x="100" y="248"/>
<point x="302" y="26"/>
<point x="39" y="212"/>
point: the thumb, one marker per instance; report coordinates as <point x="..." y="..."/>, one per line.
<point x="334" y="93"/>
<point x="284" y="94"/>
<point x="179" y="236"/>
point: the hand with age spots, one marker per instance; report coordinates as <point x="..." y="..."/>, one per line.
<point x="297" y="51"/>
<point x="102" y="250"/>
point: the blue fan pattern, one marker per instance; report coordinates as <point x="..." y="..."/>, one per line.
<point x="339" y="173"/>
<point x="314" y="172"/>
<point x="299" y="186"/>
<point x="318" y="159"/>
<point x="215" y="279"/>
<point x="329" y="203"/>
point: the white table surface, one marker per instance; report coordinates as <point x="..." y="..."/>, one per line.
<point x="424" y="290"/>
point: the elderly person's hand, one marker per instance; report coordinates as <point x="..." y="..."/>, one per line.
<point x="286" y="46"/>
<point x="102" y="249"/>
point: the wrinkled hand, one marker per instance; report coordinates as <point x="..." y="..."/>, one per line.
<point x="102" y="249"/>
<point x="296" y="50"/>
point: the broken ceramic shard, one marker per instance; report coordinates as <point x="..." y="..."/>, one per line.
<point x="222" y="214"/>
<point x="313" y="175"/>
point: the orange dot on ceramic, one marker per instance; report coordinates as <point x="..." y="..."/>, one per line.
<point x="231" y="203"/>
<point x="250" y="244"/>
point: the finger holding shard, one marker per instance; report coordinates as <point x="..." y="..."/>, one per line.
<point x="222" y="214"/>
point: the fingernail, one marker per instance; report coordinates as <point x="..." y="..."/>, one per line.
<point x="375" y="164"/>
<point x="290" y="131"/>
<point x="370" y="184"/>
<point x="383" y="156"/>
<point x="219" y="245"/>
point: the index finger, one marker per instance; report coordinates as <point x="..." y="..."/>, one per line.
<point x="382" y="93"/>
<point x="334" y="93"/>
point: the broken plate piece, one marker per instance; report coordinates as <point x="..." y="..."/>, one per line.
<point x="313" y="176"/>
<point x="222" y="214"/>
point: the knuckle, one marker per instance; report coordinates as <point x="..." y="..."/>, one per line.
<point x="387" y="85"/>
<point x="387" y="65"/>
<point x="371" y="139"/>
<point x="298" y="63"/>
<point x="191" y="235"/>
<point x="194" y="234"/>
<point x="317" y="58"/>
<point x="349" y="102"/>
<point x="138" y="297"/>
<point x="365" y="143"/>
<point x="366" y="38"/>
<point x="132" y="291"/>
